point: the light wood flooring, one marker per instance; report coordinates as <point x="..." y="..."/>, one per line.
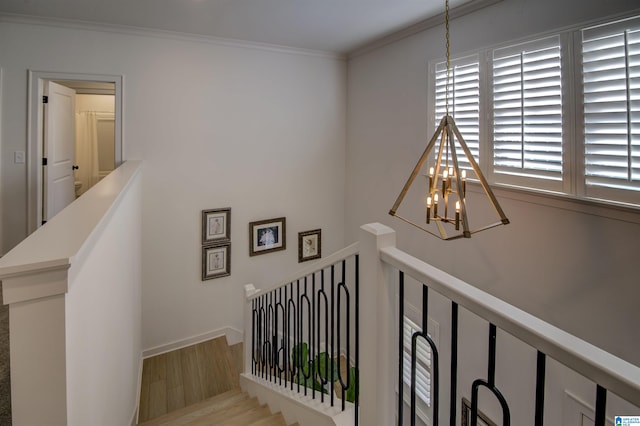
<point x="178" y="379"/>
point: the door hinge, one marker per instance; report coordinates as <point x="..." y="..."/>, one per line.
<point x="45" y="99"/>
<point x="44" y="161"/>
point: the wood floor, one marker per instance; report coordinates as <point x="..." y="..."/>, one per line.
<point x="187" y="376"/>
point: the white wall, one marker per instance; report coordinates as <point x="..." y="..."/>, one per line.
<point x="576" y="270"/>
<point x="218" y="125"/>
<point x="101" y="297"/>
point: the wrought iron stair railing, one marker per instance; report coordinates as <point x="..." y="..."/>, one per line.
<point x="356" y="299"/>
<point x="610" y="374"/>
<point x="305" y="329"/>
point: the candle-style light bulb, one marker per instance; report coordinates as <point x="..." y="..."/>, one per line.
<point x="464" y="183"/>
<point x="431" y="171"/>
<point x="428" y="209"/>
<point x="444" y="181"/>
<point x="435" y="206"/>
<point x="457" y="215"/>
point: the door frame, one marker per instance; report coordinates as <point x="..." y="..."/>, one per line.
<point x="35" y="87"/>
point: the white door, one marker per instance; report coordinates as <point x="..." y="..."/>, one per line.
<point x="58" y="149"/>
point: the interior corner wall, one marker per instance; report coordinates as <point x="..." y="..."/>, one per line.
<point x="217" y="124"/>
<point x="577" y="271"/>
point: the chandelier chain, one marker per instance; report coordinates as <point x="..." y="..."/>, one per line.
<point x="446" y="23"/>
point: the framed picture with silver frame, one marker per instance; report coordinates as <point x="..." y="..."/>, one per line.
<point x="266" y="236"/>
<point x="309" y="245"/>
<point x="216" y="225"/>
<point x="216" y="261"/>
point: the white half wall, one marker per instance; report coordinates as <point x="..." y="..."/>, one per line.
<point x="103" y="367"/>
<point x="218" y="124"/>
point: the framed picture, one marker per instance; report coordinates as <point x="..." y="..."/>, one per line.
<point x="216" y="225"/>
<point x="309" y="245"/>
<point x="216" y="261"/>
<point x="267" y="235"/>
<point x="483" y="420"/>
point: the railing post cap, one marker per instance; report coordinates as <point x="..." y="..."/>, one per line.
<point x="377" y="229"/>
<point x="250" y="290"/>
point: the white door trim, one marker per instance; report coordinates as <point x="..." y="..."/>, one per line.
<point x="35" y="86"/>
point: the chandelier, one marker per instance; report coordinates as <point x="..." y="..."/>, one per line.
<point x="446" y="214"/>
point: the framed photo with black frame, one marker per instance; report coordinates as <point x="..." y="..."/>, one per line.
<point x="266" y="236"/>
<point x="309" y="245"/>
<point x="216" y="225"/>
<point x="216" y="261"/>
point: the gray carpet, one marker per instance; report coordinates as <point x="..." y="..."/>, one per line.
<point x="5" y="376"/>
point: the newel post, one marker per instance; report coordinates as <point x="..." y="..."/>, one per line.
<point x="249" y="290"/>
<point x="378" y="360"/>
<point x="37" y="332"/>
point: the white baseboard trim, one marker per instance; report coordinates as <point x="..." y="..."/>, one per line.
<point x="234" y="336"/>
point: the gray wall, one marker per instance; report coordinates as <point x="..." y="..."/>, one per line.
<point x="573" y="265"/>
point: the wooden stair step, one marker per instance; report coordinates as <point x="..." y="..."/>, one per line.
<point x="247" y="417"/>
<point x="225" y="415"/>
<point x="273" y="420"/>
<point x="202" y="408"/>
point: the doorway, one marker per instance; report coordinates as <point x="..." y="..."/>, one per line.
<point x="92" y="90"/>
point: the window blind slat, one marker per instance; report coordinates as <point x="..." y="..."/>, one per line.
<point x="527" y="114"/>
<point x="423" y="364"/>
<point x="611" y="76"/>
<point x="464" y="103"/>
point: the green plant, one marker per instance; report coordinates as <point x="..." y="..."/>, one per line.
<point x="321" y="369"/>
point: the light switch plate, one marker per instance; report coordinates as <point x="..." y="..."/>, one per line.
<point x="18" y="157"/>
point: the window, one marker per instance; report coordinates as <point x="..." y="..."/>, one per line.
<point x="611" y="98"/>
<point x="464" y="101"/>
<point x="423" y="365"/>
<point x="559" y="113"/>
<point x="527" y="110"/>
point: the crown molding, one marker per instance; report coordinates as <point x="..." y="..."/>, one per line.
<point x="172" y="35"/>
<point x="421" y="26"/>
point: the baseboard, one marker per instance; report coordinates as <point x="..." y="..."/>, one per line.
<point x="233" y="336"/>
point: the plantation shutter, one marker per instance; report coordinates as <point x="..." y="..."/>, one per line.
<point x="464" y="102"/>
<point x="611" y="80"/>
<point x="527" y="110"/>
<point x="423" y="364"/>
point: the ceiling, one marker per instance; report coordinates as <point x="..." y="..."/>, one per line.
<point x="339" y="26"/>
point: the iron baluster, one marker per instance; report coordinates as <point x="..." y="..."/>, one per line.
<point x="454" y="364"/>
<point x="489" y="384"/>
<point x="400" y="348"/>
<point x="540" y="381"/>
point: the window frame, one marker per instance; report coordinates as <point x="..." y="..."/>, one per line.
<point x="583" y="190"/>
<point x="572" y="187"/>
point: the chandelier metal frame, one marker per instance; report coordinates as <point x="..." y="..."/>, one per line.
<point x="453" y="181"/>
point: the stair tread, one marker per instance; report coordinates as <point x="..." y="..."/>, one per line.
<point x="273" y="420"/>
<point x="247" y="417"/>
<point x="224" y="415"/>
<point x="204" y="407"/>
